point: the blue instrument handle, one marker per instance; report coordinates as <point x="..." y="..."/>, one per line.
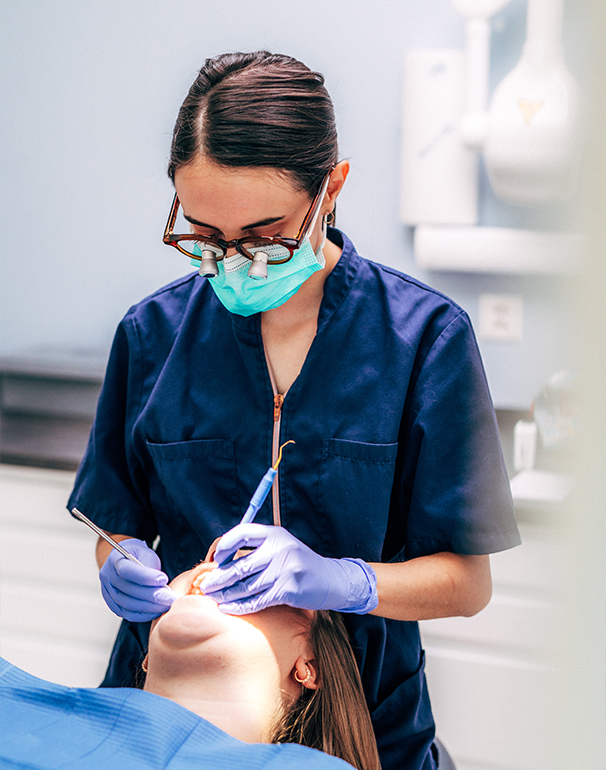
<point x="259" y="496"/>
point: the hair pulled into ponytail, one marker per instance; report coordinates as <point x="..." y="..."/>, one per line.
<point x="258" y="109"/>
<point x="333" y="718"/>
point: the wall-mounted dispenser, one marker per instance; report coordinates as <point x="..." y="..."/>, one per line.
<point x="531" y="148"/>
<point x="529" y="135"/>
<point x="439" y="173"/>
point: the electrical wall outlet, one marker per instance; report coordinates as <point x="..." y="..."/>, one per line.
<point x="501" y="317"/>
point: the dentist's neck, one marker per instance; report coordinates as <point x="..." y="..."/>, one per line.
<point x="303" y="306"/>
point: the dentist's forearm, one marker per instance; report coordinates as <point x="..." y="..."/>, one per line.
<point x="437" y="586"/>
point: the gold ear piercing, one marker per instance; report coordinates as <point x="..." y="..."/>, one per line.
<point x="307" y="678"/>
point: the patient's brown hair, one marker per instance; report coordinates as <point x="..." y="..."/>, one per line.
<point x="333" y="718"/>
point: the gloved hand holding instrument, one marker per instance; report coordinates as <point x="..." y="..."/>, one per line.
<point x="283" y="570"/>
<point x="132" y="582"/>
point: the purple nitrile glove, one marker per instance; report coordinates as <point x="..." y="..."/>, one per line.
<point x="283" y="570"/>
<point x="134" y="592"/>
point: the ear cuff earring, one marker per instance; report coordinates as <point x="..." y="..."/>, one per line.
<point x="307" y="678"/>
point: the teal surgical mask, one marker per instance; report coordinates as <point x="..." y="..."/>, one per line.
<point x="244" y="296"/>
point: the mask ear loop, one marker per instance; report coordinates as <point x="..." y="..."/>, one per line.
<point x="327" y="219"/>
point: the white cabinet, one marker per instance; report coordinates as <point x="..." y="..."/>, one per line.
<point x="53" y="620"/>
<point x="495" y="679"/>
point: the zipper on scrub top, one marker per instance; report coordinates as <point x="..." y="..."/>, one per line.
<point x="275" y="442"/>
<point x="275" y="448"/>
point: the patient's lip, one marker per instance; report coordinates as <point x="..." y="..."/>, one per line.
<point x="201" y="570"/>
<point x="198" y="575"/>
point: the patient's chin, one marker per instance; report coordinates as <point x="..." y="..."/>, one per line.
<point x="192" y="620"/>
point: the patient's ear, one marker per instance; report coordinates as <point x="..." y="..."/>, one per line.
<point x="211" y="551"/>
<point x="305" y="673"/>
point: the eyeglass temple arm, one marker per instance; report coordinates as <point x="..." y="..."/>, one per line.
<point x="315" y="207"/>
<point x="168" y="230"/>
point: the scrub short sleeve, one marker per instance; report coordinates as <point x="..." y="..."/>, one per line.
<point x="454" y="476"/>
<point x="110" y="485"/>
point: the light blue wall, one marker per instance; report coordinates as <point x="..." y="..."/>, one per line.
<point x="89" y="94"/>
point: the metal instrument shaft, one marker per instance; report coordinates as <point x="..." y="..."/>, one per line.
<point x="114" y="543"/>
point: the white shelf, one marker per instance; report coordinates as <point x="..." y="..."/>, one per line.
<point x="532" y="487"/>
<point x="497" y="250"/>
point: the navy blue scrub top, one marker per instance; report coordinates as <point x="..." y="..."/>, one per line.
<point x="397" y="452"/>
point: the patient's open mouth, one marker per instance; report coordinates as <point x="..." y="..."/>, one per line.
<point x="202" y="569"/>
<point x="198" y="574"/>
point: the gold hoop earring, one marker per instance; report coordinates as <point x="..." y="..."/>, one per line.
<point x="329" y="217"/>
<point x="302" y="681"/>
<point x="144" y="665"/>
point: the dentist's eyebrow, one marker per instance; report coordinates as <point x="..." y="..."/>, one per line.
<point x="260" y="223"/>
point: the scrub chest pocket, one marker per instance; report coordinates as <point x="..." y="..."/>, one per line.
<point x="355" y="485"/>
<point x="197" y="480"/>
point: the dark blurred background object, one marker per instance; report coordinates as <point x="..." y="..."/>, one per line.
<point x="48" y="400"/>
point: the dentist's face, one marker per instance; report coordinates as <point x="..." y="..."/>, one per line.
<point x="240" y="202"/>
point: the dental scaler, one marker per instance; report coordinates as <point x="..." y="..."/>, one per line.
<point x="262" y="490"/>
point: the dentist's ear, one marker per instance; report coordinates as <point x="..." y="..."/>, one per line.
<point x="305" y="673"/>
<point x="337" y="179"/>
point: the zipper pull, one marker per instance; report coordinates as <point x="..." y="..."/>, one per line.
<point x="278" y="401"/>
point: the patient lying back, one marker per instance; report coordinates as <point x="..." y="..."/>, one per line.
<point x="233" y="690"/>
<point x="236" y="671"/>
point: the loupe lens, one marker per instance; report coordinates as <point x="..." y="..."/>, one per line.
<point x="258" y="266"/>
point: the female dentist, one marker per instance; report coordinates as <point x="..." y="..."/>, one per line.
<point x="395" y="490"/>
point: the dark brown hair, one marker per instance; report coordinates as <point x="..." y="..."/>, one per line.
<point x="333" y="718"/>
<point x="258" y="109"/>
